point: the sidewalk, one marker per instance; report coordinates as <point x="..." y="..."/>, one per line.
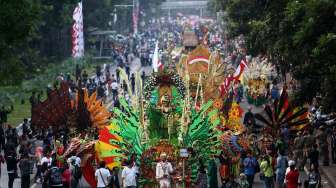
<point x="330" y="173"/>
<point x="4" y="178"/>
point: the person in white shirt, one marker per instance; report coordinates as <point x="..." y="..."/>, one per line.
<point x="114" y="88"/>
<point x="102" y="175"/>
<point x="128" y="176"/>
<point x="163" y="171"/>
<point x="46" y="159"/>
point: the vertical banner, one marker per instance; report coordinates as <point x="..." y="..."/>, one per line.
<point x="77" y="32"/>
<point x="136" y="10"/>
<point x="115" y="16"/>
<point x="156" y="63"/>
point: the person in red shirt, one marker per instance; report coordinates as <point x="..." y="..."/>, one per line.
<point x="66" y="176"/>
<point x="292" y="176"/>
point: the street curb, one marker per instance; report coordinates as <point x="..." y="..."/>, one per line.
<point x="328" y="176"/>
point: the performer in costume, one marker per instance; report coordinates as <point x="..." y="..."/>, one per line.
<point x="163" y="171"/>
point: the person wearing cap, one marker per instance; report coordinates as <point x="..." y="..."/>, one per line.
<point x="163" y="171"/>
<point x="292" y="176"/>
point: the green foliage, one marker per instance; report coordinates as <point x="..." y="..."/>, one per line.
<point x="156" y="125"/>
<point x="54" y="36"/>
<point x="19" y="22"/>
<point x="201" y="137"/>
<point x="97" y="13"/>
<point x="130" y="129"/>
<point x="33" y="32"/>
<point x="215" y="5"/>
<point x="298" y="36"/>
<point x="329" y="99"/>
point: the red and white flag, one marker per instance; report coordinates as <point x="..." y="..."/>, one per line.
<point x="135" y="15"/>
<point x="240" y="69"/>
<point x="225" y="86"/>
<point x="77" y="32"/>
<point x="156" y="63"/>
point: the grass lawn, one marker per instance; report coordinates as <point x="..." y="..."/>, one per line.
<point x="20" y="112"/>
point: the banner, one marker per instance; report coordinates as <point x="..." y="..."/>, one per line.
<point x="240" y="69"/>
<point x="77" y="32"/>
<point x="156" y="64"/>
<point x="136" y="10"/>
<point x="115" y="16"/>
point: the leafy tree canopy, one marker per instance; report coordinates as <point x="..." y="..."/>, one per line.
<point x="31" y="33"/>
<point x="298" y="35"/>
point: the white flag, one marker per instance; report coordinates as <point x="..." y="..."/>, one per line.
<point x="115" y="16"/>
<point x="156" y="59"/>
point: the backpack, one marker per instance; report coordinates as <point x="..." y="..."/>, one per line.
<point x="77" y="174"/>
<point x="313" y="179"/>
<point x="55" y="176"/>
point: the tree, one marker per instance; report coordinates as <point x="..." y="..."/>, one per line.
<point x="97" y="13"/>
<point x="55" y="31"/>
<point x="32" y="32"/>
<point x="19" y="22"/>
<point x="298" y="36"/>
<point x="215" y="5"/>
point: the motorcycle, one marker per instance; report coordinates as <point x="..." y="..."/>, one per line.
<point x="317" y="118"/>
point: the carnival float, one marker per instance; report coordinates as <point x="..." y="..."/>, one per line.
<point x="257" y="79"/>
